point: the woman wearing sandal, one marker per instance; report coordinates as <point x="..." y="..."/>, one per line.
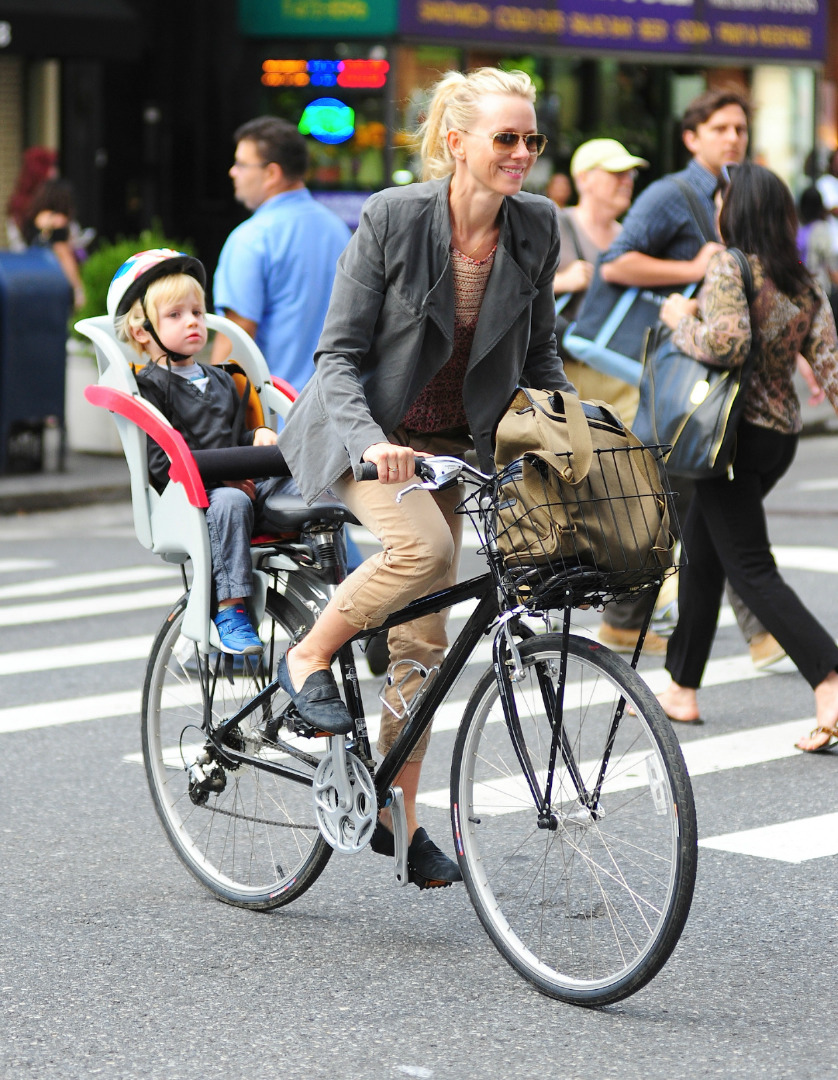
<point x="725" y="532"/>
<point x="442" y="302"/>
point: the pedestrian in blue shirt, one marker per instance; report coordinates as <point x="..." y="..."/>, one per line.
<point x="275" y="272"/>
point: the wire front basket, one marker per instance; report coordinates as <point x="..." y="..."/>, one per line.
<point x="564" y="541"/>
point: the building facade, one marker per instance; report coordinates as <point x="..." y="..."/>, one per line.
<point x="141" y="97"/>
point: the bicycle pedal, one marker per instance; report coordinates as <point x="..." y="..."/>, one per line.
<point x="297" y="726"/>
<point x="426" y="883"/>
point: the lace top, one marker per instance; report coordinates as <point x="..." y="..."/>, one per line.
<point x="440" y="405"/>
<point x="721" y="335"/>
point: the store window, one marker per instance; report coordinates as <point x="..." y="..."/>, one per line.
<point x="336" y="93"/>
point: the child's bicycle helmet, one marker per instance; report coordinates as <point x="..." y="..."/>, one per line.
<point x="136" y="274"/>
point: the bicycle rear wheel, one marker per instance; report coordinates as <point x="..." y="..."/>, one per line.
<point x="248" y="835"/>
<point x="588" y="910"/>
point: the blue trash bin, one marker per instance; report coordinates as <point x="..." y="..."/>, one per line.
<point x="35" y="306"/>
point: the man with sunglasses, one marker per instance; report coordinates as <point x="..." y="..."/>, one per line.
<point x="664" y="244"/>
<point x="275" y="271"/>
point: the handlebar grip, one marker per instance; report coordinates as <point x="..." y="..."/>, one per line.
<point x="369" y="470"/>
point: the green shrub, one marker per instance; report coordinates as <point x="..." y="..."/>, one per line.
<point x="98" y="269"/>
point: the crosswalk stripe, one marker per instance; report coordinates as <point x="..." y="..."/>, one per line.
<point x="70" y="711"/>
<point x="102" y="579"/>
<point x="74" y="656"/>
<point x="792" y="842"/>
<point x="17" y="566"/>
<point x="718" y="753"/>
<point x="789" y="841"/>
<point x="55" y="610"/>
<point x="823" y="560"/>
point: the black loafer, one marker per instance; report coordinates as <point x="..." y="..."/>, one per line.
<point x="318" y="702"/>
<point x="427" y="866"/>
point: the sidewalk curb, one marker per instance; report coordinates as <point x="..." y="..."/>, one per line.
<point x="33" y="502"/>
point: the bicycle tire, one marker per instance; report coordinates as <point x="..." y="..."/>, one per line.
<point x="256" y="843"/>
<point x="588" y="912"/>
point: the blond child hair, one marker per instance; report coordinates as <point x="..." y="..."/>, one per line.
<point x="170" y="289"/>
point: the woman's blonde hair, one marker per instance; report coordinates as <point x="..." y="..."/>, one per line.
<point x="170" y="289"/>
<point x="454" y="104"/>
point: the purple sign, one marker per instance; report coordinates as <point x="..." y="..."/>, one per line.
<point x="752" y="30"/>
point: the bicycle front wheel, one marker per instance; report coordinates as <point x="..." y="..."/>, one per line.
<point x="587" y="899"/>
<point x="248" y="835"/>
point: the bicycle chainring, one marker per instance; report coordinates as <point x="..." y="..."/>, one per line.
<point x="347" y="823"/>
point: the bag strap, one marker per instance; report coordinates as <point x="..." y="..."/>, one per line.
<point x="697" y="209"/>
<point x="748" y="283"/>
<point x="578" y="432"/>
<point x="747" y="276"/>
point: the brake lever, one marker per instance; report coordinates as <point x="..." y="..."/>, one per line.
<point x="445" y="472"/>
<point x="429" y="485"/>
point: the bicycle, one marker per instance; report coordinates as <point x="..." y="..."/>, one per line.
<point x="571" y="808"/>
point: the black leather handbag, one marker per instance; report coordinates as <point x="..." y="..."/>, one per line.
<point x="693" y="407"/>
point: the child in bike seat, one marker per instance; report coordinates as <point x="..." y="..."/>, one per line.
<point x="157" y="302"/>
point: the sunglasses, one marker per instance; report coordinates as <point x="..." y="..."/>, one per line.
<point x="503" y="142"/>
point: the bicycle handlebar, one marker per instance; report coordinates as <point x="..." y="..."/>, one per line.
<point x="369" y="469"/>
<point x="436" y="472"/>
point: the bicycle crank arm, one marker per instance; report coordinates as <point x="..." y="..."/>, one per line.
<point x="399" y="822"/>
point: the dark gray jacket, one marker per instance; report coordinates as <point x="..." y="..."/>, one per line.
<point x="390" y="328"/>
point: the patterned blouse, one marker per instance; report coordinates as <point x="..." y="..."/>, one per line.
<point x="721" y="335"/>
<point x="440" y="405"/>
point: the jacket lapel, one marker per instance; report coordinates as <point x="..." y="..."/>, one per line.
<point x="439" y="303"/>
<point x="508" y="291"/>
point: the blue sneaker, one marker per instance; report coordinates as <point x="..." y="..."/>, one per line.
<point x="236" y="632"/>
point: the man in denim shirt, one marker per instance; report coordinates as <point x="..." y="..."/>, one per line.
<point x="662" y="245"/>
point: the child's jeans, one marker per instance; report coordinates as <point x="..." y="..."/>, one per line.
<point x="232" y="518"/>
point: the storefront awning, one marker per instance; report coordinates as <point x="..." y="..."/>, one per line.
<point x="745" y="31"/>
<point x="96" y="29"/>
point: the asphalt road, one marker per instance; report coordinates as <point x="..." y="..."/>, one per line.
<point x="114" y="962"/>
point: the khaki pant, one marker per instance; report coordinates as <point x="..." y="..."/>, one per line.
<point x="421" y="539"/>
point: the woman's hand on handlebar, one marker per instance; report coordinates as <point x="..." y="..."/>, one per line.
<point x="396" y="464"/>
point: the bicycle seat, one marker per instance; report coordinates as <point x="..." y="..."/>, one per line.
<point x="289" y="513"/>
<point x="173" y="524"/>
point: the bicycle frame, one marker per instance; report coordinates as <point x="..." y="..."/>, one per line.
<point x="485" y="589"/>
<point x="481" y="588"/>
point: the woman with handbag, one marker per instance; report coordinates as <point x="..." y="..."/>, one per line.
<point x="442" y="303"/>
<point x="725" y="532"/>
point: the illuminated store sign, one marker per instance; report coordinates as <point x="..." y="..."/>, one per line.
<point x="318" y="18"/>
<point x="328" y="120"/>
<point x="349" y="74"/>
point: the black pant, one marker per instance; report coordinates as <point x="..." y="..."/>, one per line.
<point x="725" y="535"/>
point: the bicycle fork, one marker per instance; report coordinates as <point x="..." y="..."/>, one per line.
<point x="508" y="669"/>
